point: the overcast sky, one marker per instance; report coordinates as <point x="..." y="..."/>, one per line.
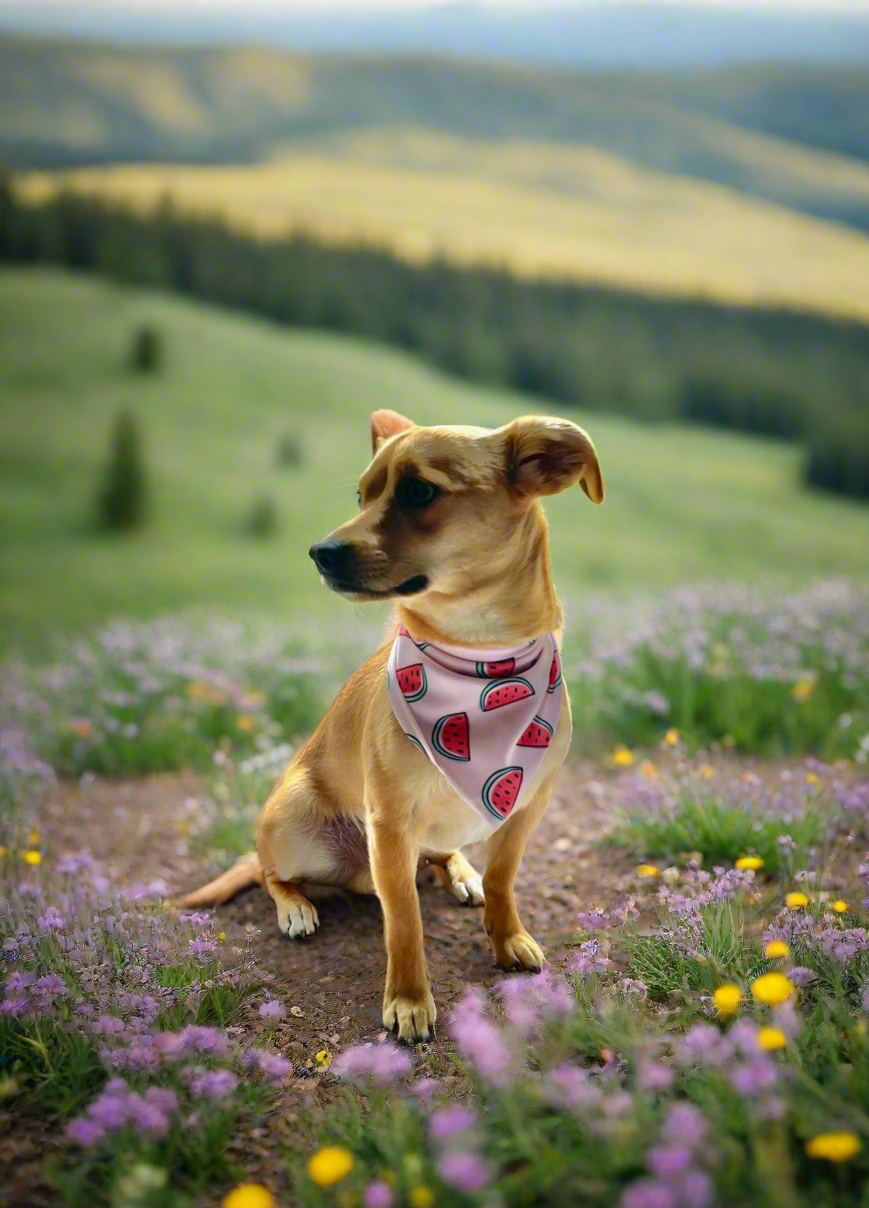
<point x="816" y="6"/>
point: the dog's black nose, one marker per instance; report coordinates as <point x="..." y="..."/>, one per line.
<point x="332" y="558"/>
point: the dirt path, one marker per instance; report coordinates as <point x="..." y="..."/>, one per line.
<point x="332" y="983"/>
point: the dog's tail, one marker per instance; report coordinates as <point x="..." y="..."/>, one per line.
<point x="246" y="871"/>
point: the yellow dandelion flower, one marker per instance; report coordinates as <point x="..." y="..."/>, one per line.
<point x="621" y="757"/>
<point x="249" y="1195"/>
<point x="749" y="863"/>
<point x="32" y="857"/>
<point x="245" y="721"/>
<point x="323" y="1059"/>
<point x="776" y="950"/>
<point x="833" y="1146"/>
<point x="839" y="906"/>
<point x="802" y="690"/>
<point x="221" y="935"/>
<point x="727" y="999"/>
<point x="330" y="1165"/>
<point x="649" y="769"/>
<point x="34" y="838"/>
<point x="421" y="1197"/>
<point x="770" y="1039"/>
<point x="671" y="738"/>
<point x="772" y="989"/>
<point x="707" y="771"/>
<point x="796" y="901"/>
<point x="647" y="870"/>
<point x="812" y="778"/>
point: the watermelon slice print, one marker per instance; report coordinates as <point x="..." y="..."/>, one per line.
<point x="504" y="692"/>
<point x="412" y="681"/>
<point x="554" y="674"/>
<point x="451" y="737"/>
<point x="501" y="791"/>
<point x="538" y="734"/>
<point x="495" y="669"/>
<point x="415" y="741"/>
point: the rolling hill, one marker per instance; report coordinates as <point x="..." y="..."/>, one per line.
<point x="750" y="128"/>
<point x="682" y="504"/>
<point x="540" y="209"/>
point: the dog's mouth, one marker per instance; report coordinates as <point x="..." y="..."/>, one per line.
<point x="410" y="587"/>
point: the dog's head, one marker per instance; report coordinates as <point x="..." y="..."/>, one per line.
<point x="441" y="509"/>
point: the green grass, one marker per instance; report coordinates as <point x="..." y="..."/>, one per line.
<point x="714" y="830"/>
<point x="682" y="504"/>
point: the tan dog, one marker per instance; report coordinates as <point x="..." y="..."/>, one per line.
<point x="451" y="526"/>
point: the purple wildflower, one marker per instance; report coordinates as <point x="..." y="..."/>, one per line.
<point x="273" y="1009"/>
<point x="85" y="1132"/>
<point x="450" y="1121"/>
<point x="648" y="1193"/>
<point x="752" y="1077"/>
<point x="666" y="1161"/>
<point x="380" y="1064"/>
<point x="378" y="1195"/>
<point x="570" y="1087"/>
<point x="695" y="1189"/>
<point x="465" y="1171"/>
<point x="653" y="1076"/>
<point x="270" y="1065"/>
<point x="703" y="1045"/>
<point x="478" y="1040"/>
<point x="213" y="1084"/>
<point x="685" y="1124"/>
<point x="586" y="960"/>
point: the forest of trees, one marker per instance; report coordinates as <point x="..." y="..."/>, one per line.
<point x="778" y="372"/>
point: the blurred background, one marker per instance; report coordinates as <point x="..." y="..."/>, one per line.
<point x="228" y="233"/>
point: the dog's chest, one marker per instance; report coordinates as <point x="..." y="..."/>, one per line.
<point x="451" y="824"/>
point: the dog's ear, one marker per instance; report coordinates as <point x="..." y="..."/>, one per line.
<point x="545" y="455"/>
<point x="385" y="424"/>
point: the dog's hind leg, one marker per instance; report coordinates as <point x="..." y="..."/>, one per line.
<point x="293" y="841"/>
<point x="461" y="878"/>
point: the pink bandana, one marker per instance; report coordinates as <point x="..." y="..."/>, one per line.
<point x="483" y="717"/>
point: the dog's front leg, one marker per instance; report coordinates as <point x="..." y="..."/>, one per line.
<point x="408" y="1006"/>
<point x="514" y="948"/>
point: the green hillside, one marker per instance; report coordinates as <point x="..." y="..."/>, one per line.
<point x="796" y="136"/>
<point x="682" y="504"/>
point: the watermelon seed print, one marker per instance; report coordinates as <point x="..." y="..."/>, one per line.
<point x="451" y="737"/>
<point x="412" y="681"/>
<point x="501" y="791"/>
<point x="554" y="674"/>
<point x="538" y="733"/>
<point x="504" y="692"/>
<point x="496" y="669"/>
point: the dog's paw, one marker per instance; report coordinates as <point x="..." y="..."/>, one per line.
<point x="412" y="1016"/>
<point x="518" y="951"/>
<point x="297" y="917"/>
<point x="466" y="883"/>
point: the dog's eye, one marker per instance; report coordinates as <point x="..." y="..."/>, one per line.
<point x="359" y="498"/>
<point x="416" y="492"/>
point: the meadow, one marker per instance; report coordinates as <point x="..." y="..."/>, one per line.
<point x="684" y="505"/>
<point x="698" y="1038"/>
